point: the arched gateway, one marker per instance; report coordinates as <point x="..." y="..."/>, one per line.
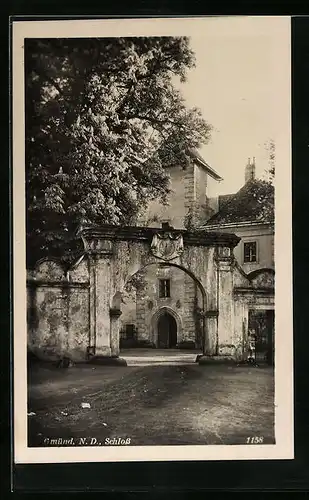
<point x="76" y="312"/>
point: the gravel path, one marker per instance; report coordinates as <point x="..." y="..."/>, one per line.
<point x="161" y="405"/>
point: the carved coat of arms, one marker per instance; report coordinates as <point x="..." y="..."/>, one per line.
<point x="167" y="246"/>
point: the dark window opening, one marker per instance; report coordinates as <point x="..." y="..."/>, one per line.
<point x="130" y="331"/>
<point x="164" y="288"/>
<point x="261" y="335"/>
<point x="250" y="252"/>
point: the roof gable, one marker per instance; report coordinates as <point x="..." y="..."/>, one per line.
<point x="254" y="202"/>
<point x="195" y="155"/>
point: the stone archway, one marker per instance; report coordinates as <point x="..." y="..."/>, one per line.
<point x="111" y="255"/>
<point x="166" y="318"/>
<point x="194" y="313"/>
<point x="116" y="253"/>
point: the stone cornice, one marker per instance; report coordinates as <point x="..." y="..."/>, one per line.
<point x="254" y="290"/>
<point x="135" y="233"/>
<point x="240" y="224"/>
<point x="32" y="282"/>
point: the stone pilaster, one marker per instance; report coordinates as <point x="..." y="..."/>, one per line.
<point x="100" y="254"/>
<point x="211" y="320"/>
<point x="142" y="334"/>
<point x="225" y="301"/>
<point x="189" y="304"/>
<point x="92" y="302"/>
<point x="102" y="313"/>
<point x="114" y="330"/>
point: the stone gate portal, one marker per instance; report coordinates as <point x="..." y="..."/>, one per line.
<point x="77" y="311"/>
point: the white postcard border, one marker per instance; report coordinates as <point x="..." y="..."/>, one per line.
<point x="284" y="447"/>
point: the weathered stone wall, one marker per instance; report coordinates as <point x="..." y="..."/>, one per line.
<point x="128" y="309"/>
<point x="188" y="303"/>
<point x="71" y="313"/>
<point x="58" y="310"/>
<point x="255" y="291"/>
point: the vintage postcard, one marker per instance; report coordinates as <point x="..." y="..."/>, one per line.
<point x="152" y="239"/>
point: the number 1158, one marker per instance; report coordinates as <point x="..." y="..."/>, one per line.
<point x="254" y="440"/>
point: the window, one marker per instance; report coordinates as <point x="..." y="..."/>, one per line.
<point x="164" y="288"/>
<point x="250" y="251"/>
<point x="130" y="331"/>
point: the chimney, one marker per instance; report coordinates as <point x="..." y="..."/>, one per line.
<point x="250" y="170"/>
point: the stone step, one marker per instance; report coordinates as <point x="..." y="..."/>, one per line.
<point x="148" y="362"/>
<point x="167" y="359"/>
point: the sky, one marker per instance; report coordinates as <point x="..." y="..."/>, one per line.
<point x="234" y="85"/>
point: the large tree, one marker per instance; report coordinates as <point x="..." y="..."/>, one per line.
<point x="104" y="118"/>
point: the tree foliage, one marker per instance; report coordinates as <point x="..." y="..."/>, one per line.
<point x="270" y="147"/>
<point x="103" y="121"/>
<point x="263" y="194"/>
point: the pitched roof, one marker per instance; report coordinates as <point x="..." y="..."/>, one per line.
<point x="254" y="202"/>
<point x="224" y="198"/>
<point x="195" y="155"/>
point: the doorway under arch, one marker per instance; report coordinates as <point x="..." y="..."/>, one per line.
<point x="167" y="331"/>
<point x="166" y="328"/>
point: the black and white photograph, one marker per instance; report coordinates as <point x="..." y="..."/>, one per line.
<point x="152" y="239"/>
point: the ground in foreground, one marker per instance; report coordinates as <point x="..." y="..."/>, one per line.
<point x="151" y="405"/>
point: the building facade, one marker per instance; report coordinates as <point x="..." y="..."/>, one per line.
<point x="188" y="203"/>
<point x="172" y="294"/>
<point x="163" y="312"/>
<point x="249" y="214"/>
<point x="176" y="283"/>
